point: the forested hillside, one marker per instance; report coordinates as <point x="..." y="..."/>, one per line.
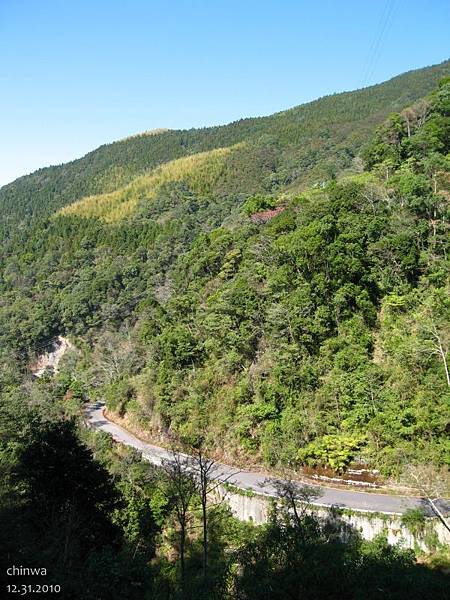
<point x="275" y="290"/>
<point x="316" y="337"/>
<point x="302" y="145"/>
<point x="321" y="335"/>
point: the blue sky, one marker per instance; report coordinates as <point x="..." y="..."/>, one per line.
<point x="78" y="73"/>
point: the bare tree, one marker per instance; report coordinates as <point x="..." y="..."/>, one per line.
<point x="182" y="488"/>
<point x="431" y="483"/>
<point x="437" y="343"/>
<point x="296" y="497"/>
<point x="207" y="472"/>
<point x="415" y="116"/>
<point x="115" y="354"/>
<point x="205" y="469"/>
<point x="192" y="475"/>
<point x="435" y="332"/>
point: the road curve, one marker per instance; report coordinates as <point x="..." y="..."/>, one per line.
<point x="259" y="483"/>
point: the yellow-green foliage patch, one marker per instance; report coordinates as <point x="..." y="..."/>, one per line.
<point x="200" y="171"/>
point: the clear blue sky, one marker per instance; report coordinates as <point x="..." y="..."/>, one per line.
<point x="78" y="73"/>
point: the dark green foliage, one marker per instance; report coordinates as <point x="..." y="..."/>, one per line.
<point x="56" y="512"/>
<point x="310" y="560"/>
<point x="258" y="203"/>
<point x="77" y="483"/>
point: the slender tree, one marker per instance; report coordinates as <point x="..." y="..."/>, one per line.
<point x="182" y="489"/>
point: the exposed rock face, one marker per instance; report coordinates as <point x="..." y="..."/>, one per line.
<point x="51" y="359"/>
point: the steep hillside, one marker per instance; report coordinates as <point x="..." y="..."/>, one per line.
<point x="315" y="334"/>
<point x="200" y="172"/>
<point x="305" y="144"/>
<point x="208" y="296"/>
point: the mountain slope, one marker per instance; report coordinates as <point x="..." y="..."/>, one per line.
<point x="318" y="333"/>
<point x="289" y="148"/>
<point x="200" y="171"/>
<point x="291" y="329"/>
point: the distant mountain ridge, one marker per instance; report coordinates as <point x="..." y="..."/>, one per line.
<point x="286" y="150"/>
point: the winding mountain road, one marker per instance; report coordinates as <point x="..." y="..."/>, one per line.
<point x="261" y="484"/>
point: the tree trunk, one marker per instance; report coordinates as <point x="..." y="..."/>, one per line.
<point x="444" y="360"/>
<point x="439" y="514"/>
<point x="182" y="563"/>
<point x="205" y="530"/>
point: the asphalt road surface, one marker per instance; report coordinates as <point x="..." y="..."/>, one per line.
<point x="261" y="484"/>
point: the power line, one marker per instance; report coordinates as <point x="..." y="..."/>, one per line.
<point x="371" y="50"/>
<point x="380" y="36"/>
<point x="383" y="37"/>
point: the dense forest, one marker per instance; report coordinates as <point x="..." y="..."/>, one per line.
<point x="277" y="288"/>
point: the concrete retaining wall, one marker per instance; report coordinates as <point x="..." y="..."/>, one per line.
<point x="256" y="508"/>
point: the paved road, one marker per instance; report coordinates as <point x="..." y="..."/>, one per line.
<point x="247" y="480"/>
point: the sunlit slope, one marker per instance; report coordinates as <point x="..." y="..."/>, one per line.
<point x="199" y="172"/>
<point x="298" y="146"/>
